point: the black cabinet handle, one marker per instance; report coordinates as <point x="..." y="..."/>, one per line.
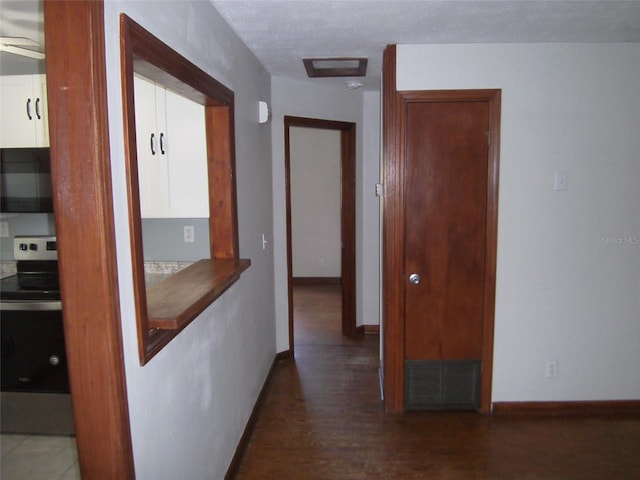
<point x="29" y="109"/>
<point x="151" y="142"/>
<point x="162" y="143"/>
<point x="38" y="109"/>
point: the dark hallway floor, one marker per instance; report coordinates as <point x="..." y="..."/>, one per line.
<point x="323" y="419"/>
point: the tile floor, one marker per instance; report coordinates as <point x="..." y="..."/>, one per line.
<point x="39" y="457"/>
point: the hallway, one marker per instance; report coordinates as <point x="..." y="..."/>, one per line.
<point x="323" y="419"/>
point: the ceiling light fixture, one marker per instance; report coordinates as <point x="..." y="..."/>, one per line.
<point x="354" y="84"/>
<point x="335" y="67"/>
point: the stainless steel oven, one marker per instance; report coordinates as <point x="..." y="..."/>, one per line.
<point x="35" y="381"/>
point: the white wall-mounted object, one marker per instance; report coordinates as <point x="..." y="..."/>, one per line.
<point x="264" y="112"/>
<point x="189" y="234"/>
<point x="560" y="181"/>
<point x="23" y="111"/>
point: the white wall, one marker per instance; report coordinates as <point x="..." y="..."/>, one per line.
<point x="190" y="403"/>
<point x="368" y="299"/>
<point x="316" y="232"/>
<point x="568" y="276"/>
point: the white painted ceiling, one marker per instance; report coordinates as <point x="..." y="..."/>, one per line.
<point x="282" y="32"/>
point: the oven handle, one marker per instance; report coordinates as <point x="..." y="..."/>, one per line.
<point x="20" y="305"/>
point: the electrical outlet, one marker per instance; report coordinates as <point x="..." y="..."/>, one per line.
<point x="189" y="234"/>
<point x="552" y="369"/>
<point x="560" y="182"/>
<point x="4" y="229"/>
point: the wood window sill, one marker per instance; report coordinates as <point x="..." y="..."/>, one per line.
<point x="176" y="301"/>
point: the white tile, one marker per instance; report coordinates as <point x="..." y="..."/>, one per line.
<point x="73" y="473"/>
<point x="9" y="442"/>
<point x="39" y="458"/>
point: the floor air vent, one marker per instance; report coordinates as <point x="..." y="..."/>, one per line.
<point x="442" y="384"/>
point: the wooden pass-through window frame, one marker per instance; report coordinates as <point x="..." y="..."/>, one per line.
<point x="162" y="311"/>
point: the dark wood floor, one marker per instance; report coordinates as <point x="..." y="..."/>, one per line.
<point x="323" y="419"/>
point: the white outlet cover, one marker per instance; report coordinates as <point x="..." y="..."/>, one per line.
<point x="560" y="182"/>
<point x="189" y="234"/>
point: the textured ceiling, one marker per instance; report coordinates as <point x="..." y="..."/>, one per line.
<point x="282" y="32"/>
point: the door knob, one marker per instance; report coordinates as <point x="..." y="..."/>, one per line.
<point x="414" y="279"/>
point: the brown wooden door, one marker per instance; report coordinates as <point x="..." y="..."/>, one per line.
<point x="445" y="228"/>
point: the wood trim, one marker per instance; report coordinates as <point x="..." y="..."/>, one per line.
<point x="316" y="123"/>
<point x="232" y="471"/>
<point x="144" y="53"/>
<point x="286" y="355"/>
<point x="223" y="217"/>
<point x="287" y="181"/>
<point x="394" y="165"/>
<point x="392" y="239"/>
<point x="171" y="69"/>
<point x="348" y="215"/>
<point x="597" y="407"/>
<point x="367" y="330"/>
<point x="348" y="221"/>
<point x="178" y="300"/>
<point x="81" y="174"/>
<point x="491" y="250"/>
<point x="371" y="329"/>
<point x="316" y="280"/>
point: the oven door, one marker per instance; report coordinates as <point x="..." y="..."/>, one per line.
<point x="35" y="381"/>
<point x="33" y="350"/>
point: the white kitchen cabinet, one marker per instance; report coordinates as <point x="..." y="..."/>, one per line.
<point x="23" y="111"/>
<point x="172" y="153"/>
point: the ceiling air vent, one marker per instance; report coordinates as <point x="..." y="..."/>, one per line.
<point x="335" y="67"/>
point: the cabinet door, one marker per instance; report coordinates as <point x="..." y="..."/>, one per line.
<point x="152" y="156"/>
<point x="187" y="148"/>
<point x="41" y="110"/>
<point x="23" y="111"/>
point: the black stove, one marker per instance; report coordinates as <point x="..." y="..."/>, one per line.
<point x="12" y="290"/>
<point x="35" y="382"/>
<point x="37" y="271"/>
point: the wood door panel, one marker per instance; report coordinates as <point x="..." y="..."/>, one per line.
<point x="445" y="228"/>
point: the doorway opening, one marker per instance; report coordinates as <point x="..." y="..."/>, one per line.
<point x="346" y="239"/>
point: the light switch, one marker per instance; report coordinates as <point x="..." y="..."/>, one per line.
<point x="561" y="179"/>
